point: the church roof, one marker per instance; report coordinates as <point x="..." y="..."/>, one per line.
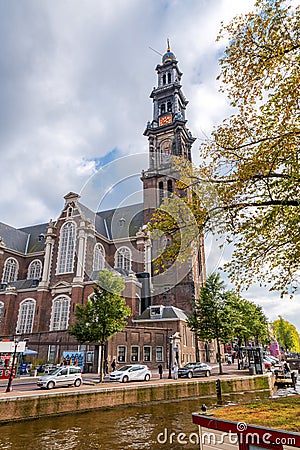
<point x="36" y="237"/>
<point x="23" y="240"/>
<point x="116" y="223"/>
<point x="168" y="313"/>
<point x="13" y="238"/>
<point x="121" y="222"/>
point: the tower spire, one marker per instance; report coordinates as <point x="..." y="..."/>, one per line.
<point x="168" y="45"/>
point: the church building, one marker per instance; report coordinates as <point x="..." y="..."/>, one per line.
<point x="49" y="268"/>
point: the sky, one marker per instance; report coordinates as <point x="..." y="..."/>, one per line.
<point x="74" y="101"/>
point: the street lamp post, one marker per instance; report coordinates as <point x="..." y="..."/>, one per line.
<point x="170" y="356"/>
<point x="10" y="379"/>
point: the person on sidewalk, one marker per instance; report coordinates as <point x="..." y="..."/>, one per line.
<point x="113" y="365"/>
<point x="105" y="368"/>
<point x="175" y="370"/>
<point x="160" y="371"/>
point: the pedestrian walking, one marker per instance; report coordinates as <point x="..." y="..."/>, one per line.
<point x="160" y="371"/>
<point x="175" y="370"/>
<point x="105" y="368"/>
<point x="113" y="365"/>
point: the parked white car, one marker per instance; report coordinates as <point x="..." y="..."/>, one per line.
<point x="133" y="372"/>
<point x="63" y="376"/>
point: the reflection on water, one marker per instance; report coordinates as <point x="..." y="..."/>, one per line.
<point x="130" y="428"/>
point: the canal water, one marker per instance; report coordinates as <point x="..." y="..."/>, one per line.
<point x="150" y="426"/>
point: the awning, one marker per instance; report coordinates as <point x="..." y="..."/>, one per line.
<point x="29" y="352"/>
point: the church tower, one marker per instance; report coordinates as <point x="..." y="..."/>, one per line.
<point x="167" y="133"/>
<point x="168" y="137"/>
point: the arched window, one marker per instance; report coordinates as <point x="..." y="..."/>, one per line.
<point x="123" y="258"/>
<point x="60" y="313"/>
<point x="99" y="257"/>
<point x="10" y="271"/>
<point x="34" y="269"/>
<point x="161" y="191"/>
<point x="169" y="106"/>
<point x="26" y="316"/>
<point x="169" y="78"/>
<point x="162" y="108"/>
<point x="1" y="310"/>
<point x="67" y="248"/>
<point x="70" y="211"/>
<point x="164" y="78"/>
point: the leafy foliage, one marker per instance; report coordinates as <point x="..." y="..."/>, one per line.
<point x="250" y="322"/>
<point x="247" y="185"/>
<point x="223" y="315"/>
<point x="286" y="335"/>
<point x="211" y="318"/>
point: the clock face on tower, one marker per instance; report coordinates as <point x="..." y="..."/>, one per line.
<point x="165" y="120"/>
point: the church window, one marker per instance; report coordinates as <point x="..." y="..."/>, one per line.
<point x="170" y="187"/>
<point x="1" y="310"/>
<point x="35" y="269"/>
<point x="70" y="212"/>
<point x="67" y="248"/>
<point x="60" y="313"/>
<point x="10" y="271"/>
<point x="164" y="78"/>
<point x="169" y="78"/>
<point x="161" y="191"/>
<point x="26" y="316"/>
<point x="162" y="108"/>
<point x="169" y="107"/>
<point x="99" y="257"/>
<point x="123" y="258"/>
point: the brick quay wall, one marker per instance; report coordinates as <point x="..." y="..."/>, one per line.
<point x="31" y="405"/>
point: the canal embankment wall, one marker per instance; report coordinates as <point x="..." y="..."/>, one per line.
<point x="49" y="403"/>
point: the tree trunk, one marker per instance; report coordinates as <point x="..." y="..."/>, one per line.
<point x="220" y="359"/>
<point x="102" y="348"/>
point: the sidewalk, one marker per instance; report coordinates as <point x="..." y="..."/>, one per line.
<point x="229" y="370"/>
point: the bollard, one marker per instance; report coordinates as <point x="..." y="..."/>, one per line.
<point x="218" y="389"/>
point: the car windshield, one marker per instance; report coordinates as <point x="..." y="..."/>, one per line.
<point x="187" y="366"/>
<point x="55" y="372"/>
<point x="122" y="369"/>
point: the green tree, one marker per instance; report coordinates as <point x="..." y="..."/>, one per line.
<point x="286" y="335"/>
<point x="103" y="315"/>
<point x="212" y="318"/>
<point x="251" y="324"/>
<point x="247" y="185"/>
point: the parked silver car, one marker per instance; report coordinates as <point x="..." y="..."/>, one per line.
<point x="194" y="370"/>
<point x="133" y="372"/>
<point x="63" y="376"/>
